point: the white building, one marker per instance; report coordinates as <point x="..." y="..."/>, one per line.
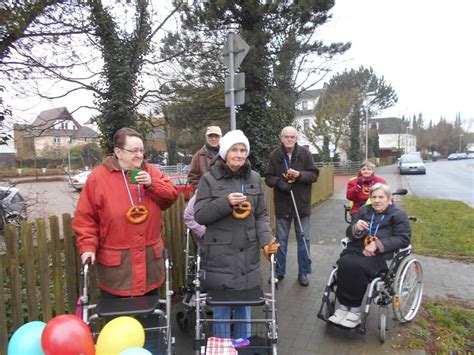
<point x="395" y="136"/>
<point x="305" y="116"/>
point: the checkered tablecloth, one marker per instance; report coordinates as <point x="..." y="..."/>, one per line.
<point x="220" y="346"/>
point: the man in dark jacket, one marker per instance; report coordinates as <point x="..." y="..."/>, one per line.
<point x="291" y="168"/>
<point x="202" y="158"/>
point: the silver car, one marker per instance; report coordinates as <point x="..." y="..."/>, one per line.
<point x="411" y="164"/>
<point x="13" y="205"/>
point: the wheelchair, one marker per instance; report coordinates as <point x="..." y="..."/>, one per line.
<point x="263" y="331"/>
<point x="152" y="310"/>
<point x="401" y="287"/>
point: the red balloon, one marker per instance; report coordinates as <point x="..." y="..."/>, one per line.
<point x="67" y="334"/>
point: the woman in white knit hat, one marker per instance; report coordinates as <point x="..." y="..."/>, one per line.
<point x="231" y="204"/>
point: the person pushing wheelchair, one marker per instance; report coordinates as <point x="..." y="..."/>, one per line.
<point x="376" y="232"/>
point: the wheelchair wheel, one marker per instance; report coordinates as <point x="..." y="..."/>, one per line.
<point x="383" y="324"/>
<point x="408" y="289"/>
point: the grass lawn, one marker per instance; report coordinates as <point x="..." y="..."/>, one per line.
<point x="442" y="327"/>
<point x="444" y="228"/>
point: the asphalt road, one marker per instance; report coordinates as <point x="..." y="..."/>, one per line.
<point x="453" y="180"/>
<point x="48" y="198"/>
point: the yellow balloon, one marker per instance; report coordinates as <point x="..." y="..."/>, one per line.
<point x="120" y="334"/>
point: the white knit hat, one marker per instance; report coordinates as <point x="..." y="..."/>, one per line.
<point x="231" y="138"/>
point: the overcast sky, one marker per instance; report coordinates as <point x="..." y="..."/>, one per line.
<point x="423" y="48"/>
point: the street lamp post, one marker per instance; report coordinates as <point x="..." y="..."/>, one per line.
<point x="366" y="133"/>
<point x="460" y="141"/>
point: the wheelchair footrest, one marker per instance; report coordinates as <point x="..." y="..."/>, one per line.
<point x="251" y="297"/>
<point x="127" y="306"/>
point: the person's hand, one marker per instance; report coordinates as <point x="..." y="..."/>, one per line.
<point x="360" y="181"/>
<point x="88" y="255"/>
<point x="370" y="249"/>
<point x="283" y="185"/>
<point x="143" y="178"/>
<point x="293" y="172"/>
<point x="361" y="226"/>
<point x="271" y="248"/>
<point x="236" y="197"/>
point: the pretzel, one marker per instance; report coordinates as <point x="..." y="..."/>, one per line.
<point x="369" y="239"/>
<point x="290" y="177"/>
<point x="242" y="210"/>
<point x="137" y="214"/>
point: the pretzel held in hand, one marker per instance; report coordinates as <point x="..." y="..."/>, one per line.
<point x="242" y="210"/>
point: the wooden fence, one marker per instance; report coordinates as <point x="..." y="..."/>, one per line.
<point x="40" y="271"/>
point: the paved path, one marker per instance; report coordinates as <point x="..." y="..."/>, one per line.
<point x="301" y="332"/>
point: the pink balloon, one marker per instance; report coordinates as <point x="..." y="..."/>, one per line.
<point x="67" y="334"/>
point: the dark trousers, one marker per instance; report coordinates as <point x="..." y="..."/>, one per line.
<point x="354" y="273"/>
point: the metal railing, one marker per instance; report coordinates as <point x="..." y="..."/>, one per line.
<point x="347" y="168"/>
<point x="179" y="169"/>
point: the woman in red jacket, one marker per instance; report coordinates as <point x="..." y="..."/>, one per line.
<point x="359" y="186"/>
<point x="118" y="223"/>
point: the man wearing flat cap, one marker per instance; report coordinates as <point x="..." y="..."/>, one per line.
<point x="202" y="158"/>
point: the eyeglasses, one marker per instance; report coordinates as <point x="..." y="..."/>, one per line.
<point x="135" y="151"/>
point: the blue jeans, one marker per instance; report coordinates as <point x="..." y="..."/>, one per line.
<point x="283" y="226"/>
<point x="241" y="329"/>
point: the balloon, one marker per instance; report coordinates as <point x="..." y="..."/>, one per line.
<point x="136" y="351"/>
<point x="27" y="339"/>
<point x="67" y="334"/>
<point x="120" y="334"/>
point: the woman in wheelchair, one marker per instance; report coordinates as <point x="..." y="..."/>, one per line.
<point x="375" y="233"/>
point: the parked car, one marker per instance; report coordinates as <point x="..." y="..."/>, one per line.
<point x="411" y="164"/>
<point x="470" y="155"/>
<point x="77" y="181"/>
<point x="13" y="205"/>
<point x="181" y="183"/>
<point x="453" y="156"/>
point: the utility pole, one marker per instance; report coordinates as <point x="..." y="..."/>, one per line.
<point x="366" y="132"/>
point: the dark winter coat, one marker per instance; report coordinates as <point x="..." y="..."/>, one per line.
<point x="302" y="161"/>
<point x="232" y="247"/>
<point x="394" y="230"/>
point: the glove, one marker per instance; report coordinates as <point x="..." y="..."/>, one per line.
<point x="270" y="248"/>
<point x="360" y="182"/>
<point x="283" y="185"/>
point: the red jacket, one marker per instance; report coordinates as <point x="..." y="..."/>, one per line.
<point x="360" y="194"/>
<point x="129" y="256"/>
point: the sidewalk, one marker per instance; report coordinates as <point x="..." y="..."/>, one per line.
<point x="301" y="332"/>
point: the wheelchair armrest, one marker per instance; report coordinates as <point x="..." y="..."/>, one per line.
<point x="251" y="297"/>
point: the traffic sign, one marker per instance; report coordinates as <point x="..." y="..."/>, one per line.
<point x="236" y="45"/>
<point x="239" y="89"/>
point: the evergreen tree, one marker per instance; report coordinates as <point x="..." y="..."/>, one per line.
<point x="280" y="37"/>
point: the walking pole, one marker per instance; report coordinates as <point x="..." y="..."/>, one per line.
<point x="301" y="226"/>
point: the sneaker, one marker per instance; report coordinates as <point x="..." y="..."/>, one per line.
<point x="338" y="316"/>
<point x="303" y="279"/>
<point x="351" y="320"/>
